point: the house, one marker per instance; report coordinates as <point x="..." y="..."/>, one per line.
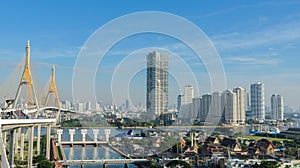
<point x="253" y="151"/>
<point x="214" y="149"/>
<point x="265" y="146"/>
<point x="182" y="142"/>
<point x="212" y="140"/>
<point x="232" y="144"/>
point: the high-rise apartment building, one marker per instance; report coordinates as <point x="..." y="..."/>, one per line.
<point x="258" y="101"/>
<point x="205" y="106"/>
<point x="196" y="104"/>
<point x="186" y="107"/>
<point x="240" y="104"/>
<point x="216" y="106"/>
<point x="188" y="94"/>
<point x="157" y="84"/>
<point x="230" y="106"/>
<point x="277" y="107"/>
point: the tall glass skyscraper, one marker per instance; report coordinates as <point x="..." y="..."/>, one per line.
<point x="157" y="84"/>
<point x="258" y="101"/>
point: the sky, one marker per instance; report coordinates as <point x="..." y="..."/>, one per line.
<point x="257" y="41"/>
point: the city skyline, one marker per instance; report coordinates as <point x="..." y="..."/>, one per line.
<point x="263" y="43"/>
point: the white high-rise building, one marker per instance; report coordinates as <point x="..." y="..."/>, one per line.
<point x="277" y="107"/>
<point x="66" y="104"/>
<point x="230" y="106"/>
<point x="258" y="101"/>
<point x="186" y="107"/>
<point x="157" y="84"/>
<point x="188" y="94"/>
<point x="240" y="104"/>
<point x="216" y="105"/>
<point x="81" y="106"/>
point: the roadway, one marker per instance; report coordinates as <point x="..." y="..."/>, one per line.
<point x="103" y="161"/>
<point x="7" y="124"/>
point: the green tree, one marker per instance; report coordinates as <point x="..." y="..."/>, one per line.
<point x="46" y="164"/>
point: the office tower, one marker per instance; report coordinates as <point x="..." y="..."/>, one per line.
<point x="240" y="104"/>
<point x="277" y="107"/>
<point x="230" y="106"/>
<point x="205" y="106"/>
<point x="157" y="84"/>
<point x="179" y="102"/>
<point x="258" y="101"/>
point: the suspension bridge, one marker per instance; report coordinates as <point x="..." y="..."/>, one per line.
<point x="21" y="115"/>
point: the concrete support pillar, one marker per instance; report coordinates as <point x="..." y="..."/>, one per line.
<point x="95" y="132"/>
<point x="83" y="133"/>
<point x="192" y="139"/>
<point x="48" y="141"/>
<point x="38" y="142"/>
<point x="71" y="133"/>
<point x="95" y="153"/>
<point x="17" y="137"/>
<point x="30" y="145"/>
<point x="107" y="133"/>
<point x="4" y="137"/>
<point x="59" y="132"/>
<point x="4" y="161"/>
<point x="83" y="154"/>
<point x="22" y="144"/>
<point x="11" y="148"/>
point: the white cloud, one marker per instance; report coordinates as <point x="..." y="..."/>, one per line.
<point x="273" y="35"/>
<point x="251" y="60"/>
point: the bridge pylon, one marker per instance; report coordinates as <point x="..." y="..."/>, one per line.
<point x="53" y="93"/>
<point x="26" y="80"/>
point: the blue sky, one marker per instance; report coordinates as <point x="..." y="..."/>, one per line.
<point x="256" y="40"/>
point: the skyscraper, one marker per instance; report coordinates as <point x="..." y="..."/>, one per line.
<point x="157" y="84"/>
<point x="277" y="107"/>
<point x="205" y="106"/>
<point x="188" y="94"/>
<point x="216" y="109"/>
<point x="230" y="106"/>
<point x="187" y="103"/>
<point x="240" y="104"/>
<point x="258" y="101"/>
<point x="196" y="107"/>
<point x="179" y="102"/>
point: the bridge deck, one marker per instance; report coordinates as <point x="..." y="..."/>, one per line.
<point x="103" y="161"/>
<point x="15" y="123"/>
